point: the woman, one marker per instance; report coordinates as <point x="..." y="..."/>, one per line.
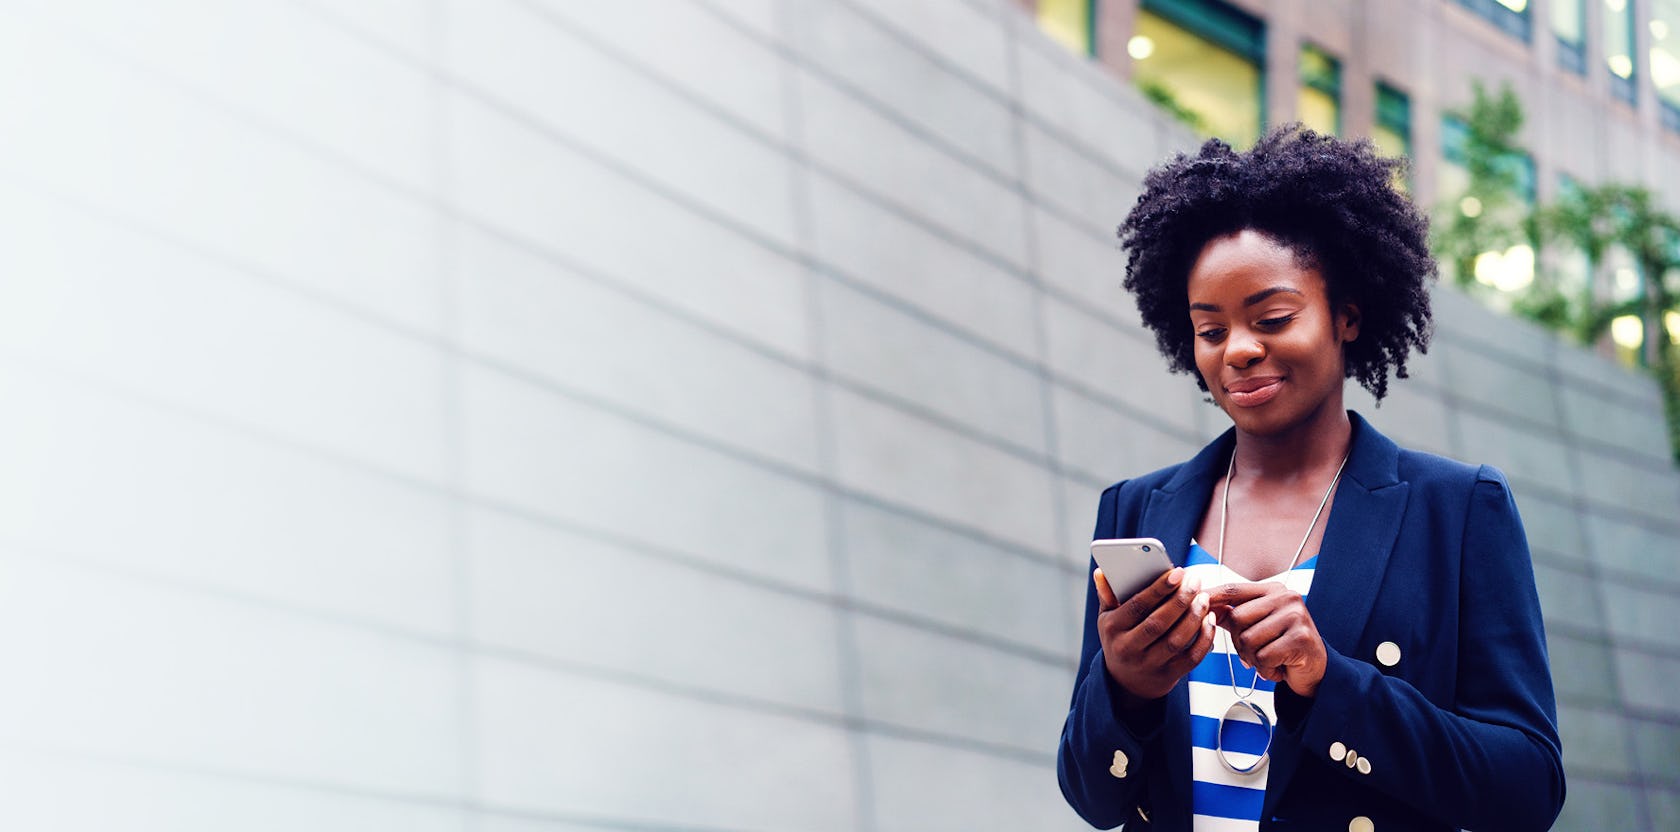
<point x="1384" y="597"/>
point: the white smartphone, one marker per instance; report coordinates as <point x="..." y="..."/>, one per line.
<point x="1130" y="563"/>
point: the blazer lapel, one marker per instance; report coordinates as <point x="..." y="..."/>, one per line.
<point x="1364" y="524"/>
<point x="1175" y="509"/>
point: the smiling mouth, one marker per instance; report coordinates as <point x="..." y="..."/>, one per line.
<point x="1253" y="392"/>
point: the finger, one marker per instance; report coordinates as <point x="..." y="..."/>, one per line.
<point x="1182" y="635"/>
<point x="1165" y="617"/>
<point x="1287" y="650"/>
<point x="1251" y="643"/>
<point x="1187" y="660"/>
<point x="1138" y="607"/>
<point x="1105" y="594"/>
<point x="1247" y="614"/>
<point x="1234" y="594"/>
<point x="1254" y="638"/>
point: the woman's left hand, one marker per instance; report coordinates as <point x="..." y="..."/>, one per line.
<point x="1272" y="632"/>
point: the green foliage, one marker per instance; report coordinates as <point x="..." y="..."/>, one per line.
<point x="1162" y="97"/>
<point x="1593" y="221"/>
<point x="1489" y="153"/>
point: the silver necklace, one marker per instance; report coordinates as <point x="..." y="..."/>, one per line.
<point x="1243" y="704"/>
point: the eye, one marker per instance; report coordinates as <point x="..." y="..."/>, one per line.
<point x="1276" y="323"/>
<point x="1213" y="334"/>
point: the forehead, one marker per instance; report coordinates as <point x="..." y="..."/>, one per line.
<point x="1243" y="261"/>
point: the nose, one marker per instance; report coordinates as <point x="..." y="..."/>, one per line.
<point x="1242" y="350"/>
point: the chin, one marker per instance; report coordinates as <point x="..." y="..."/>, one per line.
<point x="1273" y="417"/>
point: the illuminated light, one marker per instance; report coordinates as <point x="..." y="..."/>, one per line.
<point x="1628" y="331"/>
<point x="1659" y="29"/>
<point x="1665" y="68"/>
<point x="1470" y="207"/>
<point x="1507" y="271"/>
<point x="1671" y="320"/>
<point x="1627" y="279"/>
<point x="1140" y="47"/>
<point x="1517" y="269"/>
<point x="1514" y="5"/>
<point x="1616" y="5"/>
<point x="1621" y="65"/>
<point x="1490" y="267"/>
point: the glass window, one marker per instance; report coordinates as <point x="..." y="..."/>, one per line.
<point x="1509" y="15"/>
<point x="1569" y="26"/>
<point x="1665" y="59"/>
<point x="1070" y="22"/>
<point x="1455" y="137"/>
<point x="1513" y="268"/>
<point x="1618" y="49"/>
<point x="1202" y="60"/>
<point x="1319" y="105"/>
<point x="1393" y="132"/>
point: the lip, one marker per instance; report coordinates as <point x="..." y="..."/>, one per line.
<point x="1253" y="391"/>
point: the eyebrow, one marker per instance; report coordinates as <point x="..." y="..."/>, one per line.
<point x="1251" y="299"/>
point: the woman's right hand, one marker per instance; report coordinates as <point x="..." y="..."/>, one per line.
<point x="1155" y="637"/>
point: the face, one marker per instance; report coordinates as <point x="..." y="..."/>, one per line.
<point x="1268" y="344"/>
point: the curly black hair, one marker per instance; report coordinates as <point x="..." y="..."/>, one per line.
<point x="1331" y="202"/>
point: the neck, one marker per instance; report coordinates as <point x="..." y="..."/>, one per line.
<point x="1316" y="444"/>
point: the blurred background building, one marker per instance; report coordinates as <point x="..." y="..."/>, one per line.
<point x="522" y="416"/>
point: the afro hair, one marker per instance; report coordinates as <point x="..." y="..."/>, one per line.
<point x="1331" y="202"/>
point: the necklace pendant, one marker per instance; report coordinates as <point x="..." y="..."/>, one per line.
<point x="1244" y="708"/>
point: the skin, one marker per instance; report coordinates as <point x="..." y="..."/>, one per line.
<point x="1269" y="345"/>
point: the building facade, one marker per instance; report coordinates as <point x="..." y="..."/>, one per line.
<point x="523" y="416"/>
<point x="1599" y="80"/>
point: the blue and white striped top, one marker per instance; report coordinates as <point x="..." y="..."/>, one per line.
<point x="1221" y="800"/>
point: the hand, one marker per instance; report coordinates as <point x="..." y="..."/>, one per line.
<point x="1156" y="636"/>
<point x="1273" y="633"/>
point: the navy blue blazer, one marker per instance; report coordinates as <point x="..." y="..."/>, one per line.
<point x="1461" y="731"/>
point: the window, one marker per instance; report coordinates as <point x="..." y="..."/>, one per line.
<point x="1319" y="105"/>
<point x="1513" y="268"/>
<point x="1569" y="26"/>
<point x="1665" y="59"/>
<point x="1070" y="22"/>
<point x="1202" y="59"/>
<point x="1509" y="15"/>
<point x="1393" y="133"/>
<point x="1618" y="49"/>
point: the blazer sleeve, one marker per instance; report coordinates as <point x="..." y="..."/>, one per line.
<point x="1491" y="762"/>
<point x="1107" y="753"/>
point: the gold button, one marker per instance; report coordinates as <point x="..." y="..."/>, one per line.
<point x="1337" y="751"/>
<point x="1352" y="759"/>
<point x="1388" y="654"/>
<point x="1361" y="824"/>
<point x="1364" y="765"/>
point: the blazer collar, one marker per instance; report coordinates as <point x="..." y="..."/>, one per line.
<point x="1363" y="526"/>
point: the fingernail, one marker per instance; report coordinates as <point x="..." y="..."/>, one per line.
<point x="1201" y="603"/>
<point x="1176" y="576"/>
<point x="1195" y="584"/>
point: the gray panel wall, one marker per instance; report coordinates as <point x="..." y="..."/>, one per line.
<point x="530" y="416"/>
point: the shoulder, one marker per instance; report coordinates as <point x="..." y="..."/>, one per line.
<point x="1438" y="479"/>
<point x="1137" y="489"/>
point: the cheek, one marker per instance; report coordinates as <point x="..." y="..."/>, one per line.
<point x="1208" y="357"/>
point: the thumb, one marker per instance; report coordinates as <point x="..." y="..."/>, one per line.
<point x="1105" y="594"/>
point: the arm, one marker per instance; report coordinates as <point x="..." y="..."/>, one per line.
<point x="1097" y="727"/>
<point x="1492" y="762"/>
<point x="1109" y="740"/>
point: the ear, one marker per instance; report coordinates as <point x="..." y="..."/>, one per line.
<point x="1347" y="322"/>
